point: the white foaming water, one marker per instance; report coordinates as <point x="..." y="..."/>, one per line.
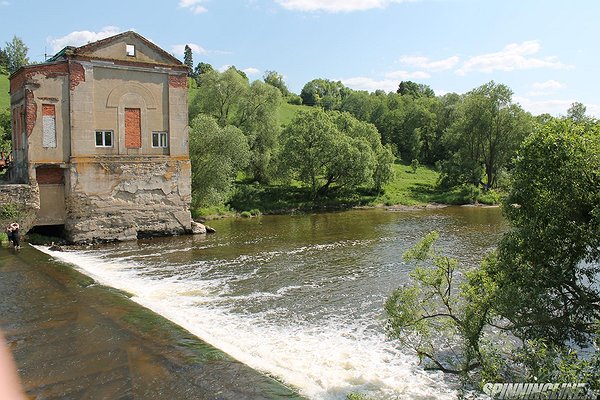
<point x="325" y="360"/>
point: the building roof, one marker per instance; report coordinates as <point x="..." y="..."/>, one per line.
<point x="92" y="50"/>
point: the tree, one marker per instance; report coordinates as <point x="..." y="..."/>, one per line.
<point x="324" y="93"/>
<point x="3" y="62"/>
<point x="542" y="285"/>
<point x="216" y="154"/>
<point x="485" y="136"/>
<point x="553" y="249"/>
<point x="415" y="90"/>
<point x="257" y="117"/>
<point x="275" y="79"/>
<point x="576" y="112"/>
<point x="202" y="68"/>
<point x="188" y="60"/>
<point x="16" y="53"/>
<point x="220" y="93"/>
<point x="317" y="152"/>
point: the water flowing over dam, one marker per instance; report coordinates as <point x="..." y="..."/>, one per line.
<point x="299" y="297"/>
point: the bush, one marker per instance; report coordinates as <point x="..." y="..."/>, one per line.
<point x="9" y="211"/>
<point x="294" y="99"/>
<point x="246" y="214"/>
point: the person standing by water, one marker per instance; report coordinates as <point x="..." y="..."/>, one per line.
<point x="15" y="234"/>
<point x="12" y="231"/>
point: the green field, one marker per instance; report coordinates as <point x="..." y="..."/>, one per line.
<point x="4" y="87"/>
<point x="287" y="112"/>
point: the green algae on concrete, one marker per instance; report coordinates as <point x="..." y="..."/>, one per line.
<point x="75" y="339"/>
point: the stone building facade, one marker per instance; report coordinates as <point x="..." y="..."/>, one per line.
<point x="102" y="130"/>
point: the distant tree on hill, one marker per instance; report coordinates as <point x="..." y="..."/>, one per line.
<point x="202" y="68"/>
<point x="576" y="113"/>
<point x="414" y="89"/>
<point x="275" y="79"/>
<point x="16" y="53"/>
<point x="324" y="93"/>
<point x="188" y="60"/>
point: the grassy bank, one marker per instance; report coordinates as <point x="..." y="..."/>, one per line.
<point x="409" y="188"/>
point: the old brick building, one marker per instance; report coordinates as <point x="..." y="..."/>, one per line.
<point x="102" y="129"/>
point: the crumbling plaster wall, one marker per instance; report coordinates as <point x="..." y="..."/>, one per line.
<point x="117" y="198"/>
<point x="23" y="198"/>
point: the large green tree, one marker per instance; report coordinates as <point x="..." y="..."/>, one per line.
<point x="549" y="263"/>
<point x="542" y="285"/>
<point x="326" y="150"/>
<point x="16" y="53"/>
<point x="257" y="116"/>
<point x="324" y="93"/>
<point x="217" y="154"/>
<point x="485" y="136"/>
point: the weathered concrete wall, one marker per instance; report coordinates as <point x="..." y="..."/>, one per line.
<point x="119" y="197"/>
<point x="25" y="199"/>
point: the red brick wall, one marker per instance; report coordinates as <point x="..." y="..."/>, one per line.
<point x="178" y="81"/>
<point x="76" y="75"/>
<point x="133" y="128"/>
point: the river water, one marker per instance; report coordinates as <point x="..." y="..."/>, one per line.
<point x="299" y="297"/>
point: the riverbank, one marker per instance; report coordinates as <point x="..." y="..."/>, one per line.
<point x="409" y="188"/>
<point x="74" y="338"/>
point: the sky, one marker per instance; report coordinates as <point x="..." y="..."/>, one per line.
<point x="546" y="51"/>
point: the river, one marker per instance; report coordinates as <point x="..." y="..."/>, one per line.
<point x="299" y="297"/>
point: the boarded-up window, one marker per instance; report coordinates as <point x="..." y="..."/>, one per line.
<point x="49" y="123"/>
<point x="49" y="175"/>
<point x="133" y="128"/>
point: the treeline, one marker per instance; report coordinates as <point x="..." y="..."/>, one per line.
<point x="348" y="140"/>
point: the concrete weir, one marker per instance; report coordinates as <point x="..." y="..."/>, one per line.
<point x="72" y="338"/>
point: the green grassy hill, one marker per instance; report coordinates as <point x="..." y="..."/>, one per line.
<point x="4" y="87"/>
<point x="287" y="112"/>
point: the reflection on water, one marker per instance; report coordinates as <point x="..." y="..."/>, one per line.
<point x="300" y="297"/>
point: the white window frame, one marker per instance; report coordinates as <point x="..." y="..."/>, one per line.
<point x="130" y="50"/>
<point x="104" y="135"/>
<point x="162" y="139"/>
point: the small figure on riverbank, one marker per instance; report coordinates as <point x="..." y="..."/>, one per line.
<point x="13" y="235"/>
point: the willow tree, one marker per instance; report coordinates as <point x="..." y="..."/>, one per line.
<point x="487" y="131"/>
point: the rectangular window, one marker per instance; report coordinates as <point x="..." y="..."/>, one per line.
<point x="160" y="139"/>
<point x="104" y="138"/>
<point x="49" y="125"/>
<point x="130" y="49"/>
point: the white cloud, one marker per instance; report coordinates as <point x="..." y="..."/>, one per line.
<point x="548" y="85"/>
<point x="179" y="49"/>
<point x="369" y="84"/>
<point x="334" y="6"/>
<point x="427" y="64"/>
<point x="224" y="68"/>
<point x="406" y="75"/>
<point x="251" y="71"/>
<point x="79" y="38"/>
<point x="554" y="106"/>
<point x="514" y="56"/>
<point x="194" y="6"/>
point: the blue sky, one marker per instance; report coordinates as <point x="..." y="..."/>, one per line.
<point x="547" y="52"/>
